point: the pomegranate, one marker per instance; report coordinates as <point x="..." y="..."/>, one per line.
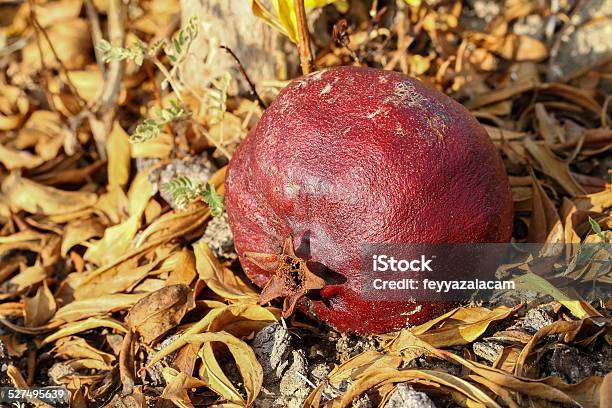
<point x="347" y="156"/>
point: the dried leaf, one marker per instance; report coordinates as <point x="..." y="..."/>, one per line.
<point x="118" y="153"/>
<point x="79" y="231"/>
<point x="219" y="279"/>
<point x="183" y="269"/>
<point x="554" y="167"/>
<point x="545" y="225"/>
<point x="114" y="243"/>
<point x="18" y="159"/>
<point x="531" y="281"/>
<point x="24" y="194"/>
<point x="29" y="276"/>
<point x="40" y="308"/>
<point x="81" y="309"/>
<point x="84" y="325"/>
<point x="242" y="319"/>
<point x="462" y="326"/>
<point x="160" y="311"/>
<point x="210" y="372"/>
<point x="14" y="106"/>
<point x="72" y="42"/>
<point x="177" y="385"/>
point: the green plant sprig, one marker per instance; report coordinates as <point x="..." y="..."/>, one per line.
<point x="149" y="128"/>
<point x="185" y="191"/>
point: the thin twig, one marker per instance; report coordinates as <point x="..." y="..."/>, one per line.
<point x="556" y="45"/>
<point x="126" y="363"/>
<point x="96" y="33"/>
<point x="40" y="29"/>
<point x="158" y="99"/>
<point x="244" y="75"/>
<point x="116" y="35"/>
<point x="306" y="60"/>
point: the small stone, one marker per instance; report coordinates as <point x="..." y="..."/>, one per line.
<point x="488" y="351"/>
<point x="538" y="317"/>
<point x="59" y="372"/>
<point x="405" y="396"/>
<point x="362" y="401"/>
<point x="272" y="349"/>
<point x="219" y="238"/>
<point x="293" y="386"/>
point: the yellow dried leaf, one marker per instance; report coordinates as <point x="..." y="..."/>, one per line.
<point x="83" y="308"/>
<point x="241" y="319"/>
<point x="29" y="276"/>
<point x="14" y="106"/>
<point x="114" y="204"/>
<point x="183" y="269"/>
<point x="160" y="311"/>
<point x="114" y="243"/>
<point x="113" y="280"/>
<point x="158" y="147"/>
<point x="17" y="159"/>
<point x="210" y="372"/>
<point x="219" y="279"/>
<point x="79" y="231"/>
<point x="418" y="64"/>
<point x="118" y="153"/>
<point x="177" y="385"/>
<point x="71" y="40"/>
<point x="533" y="282"/>
<point x="40" y="308"/>
<point x="523" y="48"/>
<point x="462" y="326"/>
<point x="24" y="194"/>
<point x="57" y="12"/>
<point x="597" y="202"/>
<point x="84" y="325"/>
<point x="141" y="190"/>
<point x="78" y="348"/>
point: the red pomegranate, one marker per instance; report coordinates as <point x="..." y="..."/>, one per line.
<point x="347" y="156"/>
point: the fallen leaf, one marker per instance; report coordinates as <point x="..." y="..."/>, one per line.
<point x="40" y="308"/>
<point x="248" y="366"/>
<point x="71" y="40"/>
<point x="118" y="153"/>
<point x="78" y="327"/>
<point x="219" y="279"/>
<point x="24" y="194"/>
<point x="83" y="308"/>
<point x="555" y="168"/>
<point x="160" y="311"/>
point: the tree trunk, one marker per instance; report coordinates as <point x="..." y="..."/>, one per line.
<point x="232" y="23"/>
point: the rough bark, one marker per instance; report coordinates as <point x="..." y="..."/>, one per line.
<point x="231" y="23"/>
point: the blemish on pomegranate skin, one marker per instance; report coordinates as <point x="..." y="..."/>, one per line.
<point x="399" y="131"/>
<point x="377" y="112"/>
<point x="414" y="311"/>
<point x="437" y="125"/>
<point x="292" y="190"/>
<point x="310" y="78"/>
<point x="327" y="89"/>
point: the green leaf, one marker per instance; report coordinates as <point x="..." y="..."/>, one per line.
<point x="531" y="281"/>
<point x="596" y="228"/>
<point x="215" y="201"/>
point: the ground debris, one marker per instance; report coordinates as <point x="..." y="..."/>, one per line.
<point x="405" y="396"/>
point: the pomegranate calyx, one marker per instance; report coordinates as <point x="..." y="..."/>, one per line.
<point x="291" y="279"/>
